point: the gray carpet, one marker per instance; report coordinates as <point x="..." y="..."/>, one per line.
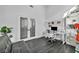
<point x="41" y="45"/>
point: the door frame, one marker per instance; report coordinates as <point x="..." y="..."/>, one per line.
<point x="29" y="26"/>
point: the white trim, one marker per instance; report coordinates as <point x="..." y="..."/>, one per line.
<point x="28" y="39"/>
<point x="31" y="38"/>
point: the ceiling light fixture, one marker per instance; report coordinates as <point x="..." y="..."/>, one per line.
<point x="31" y="6"/>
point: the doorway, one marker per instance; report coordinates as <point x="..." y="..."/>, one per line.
<point x="27" y="27"/>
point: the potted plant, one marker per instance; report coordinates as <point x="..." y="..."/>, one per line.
<point x="4" y="30"/>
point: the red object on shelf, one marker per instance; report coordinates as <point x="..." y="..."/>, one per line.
<point x="76" y="26"/>
<point x="77" y="37"/>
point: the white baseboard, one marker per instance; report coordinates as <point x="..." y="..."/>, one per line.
<point x="31" y="38"/>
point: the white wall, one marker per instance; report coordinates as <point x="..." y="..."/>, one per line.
<point x="10" y="16"/>
<point x="56" y="12"/>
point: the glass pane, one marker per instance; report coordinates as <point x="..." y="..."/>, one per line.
<point x="23" y="27"/>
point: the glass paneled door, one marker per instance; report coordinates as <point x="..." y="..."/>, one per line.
<point x="27" y="27"/>
<point x="32" y="28"/>
<point x="23" y="28"/>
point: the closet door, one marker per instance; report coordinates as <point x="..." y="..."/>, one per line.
<point x="32" y="29"/>
<point x="23" y="27"/>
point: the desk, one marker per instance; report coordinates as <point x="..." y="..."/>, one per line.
<point x="59" y="35"/>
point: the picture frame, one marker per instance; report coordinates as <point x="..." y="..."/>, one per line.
<point x="52" y="22"/>
<point x="58" y="22"/>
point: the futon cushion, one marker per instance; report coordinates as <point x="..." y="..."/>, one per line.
<point x="20" y="47"/>
<point x="5" y="44"/>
